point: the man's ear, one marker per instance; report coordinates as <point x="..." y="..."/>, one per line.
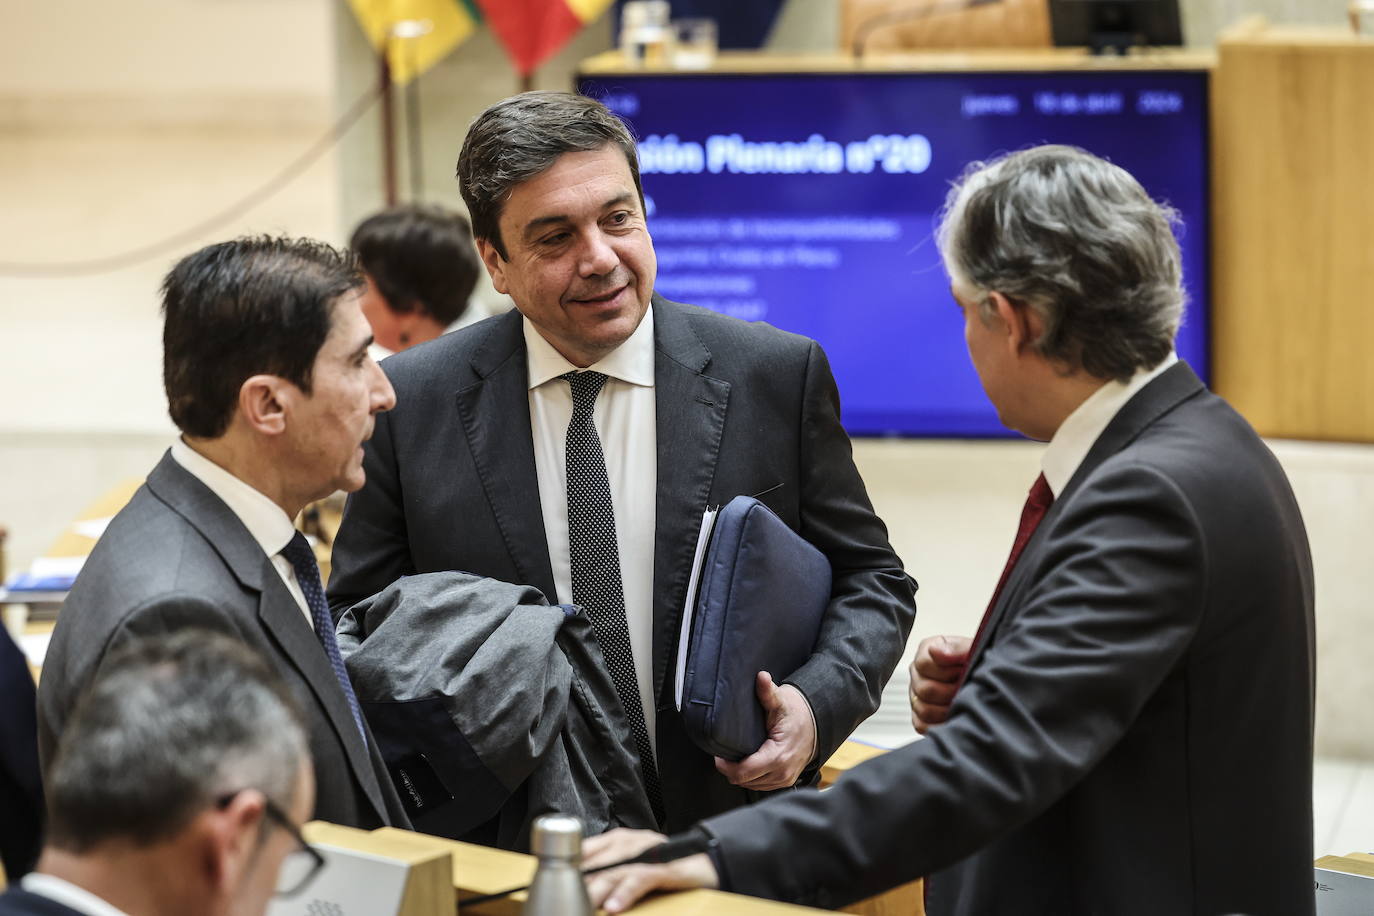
<point x="495" y="265"/>
<point x="230" y="838"/>
<point x="262" y="403"/>
<point x="1022" y="324"/>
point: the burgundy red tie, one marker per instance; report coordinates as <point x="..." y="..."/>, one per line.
<point x="1037" y="504"/>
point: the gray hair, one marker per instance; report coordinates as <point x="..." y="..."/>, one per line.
<point x="170" y="724"/>
<point x="519" y="137"/>
<point x="1077" y="240"/>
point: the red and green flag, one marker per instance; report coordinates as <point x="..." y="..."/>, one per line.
<point x="534" y="30"/>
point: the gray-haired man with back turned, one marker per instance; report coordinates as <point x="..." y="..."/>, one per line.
<point x="1130" y="732"/>
<point x="179" y="787"/>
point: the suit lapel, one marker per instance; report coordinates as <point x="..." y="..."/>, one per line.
<point x="690" y="408"/>
<point x="284" y="621"/>
<point x="207" y="513"/>
<point x="281" y="617"/>
<point x="1175" y="385"/>
<point x="496" y="418"/>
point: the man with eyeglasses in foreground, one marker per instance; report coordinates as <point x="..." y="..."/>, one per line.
<point x="177" y="788"/>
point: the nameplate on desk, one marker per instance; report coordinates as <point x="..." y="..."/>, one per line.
<point x="373" y="874"/>
<point x="1344" y="885"/>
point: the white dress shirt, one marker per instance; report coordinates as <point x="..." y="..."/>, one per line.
<point x="1076" y="435"/>
<point x="68" y="894"/>
<point x="625" y="415"/>
<point x="264" y="519"/>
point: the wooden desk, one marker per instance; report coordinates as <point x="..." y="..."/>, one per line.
<point x="849" y="755"/>
<point x="478" y="870"/>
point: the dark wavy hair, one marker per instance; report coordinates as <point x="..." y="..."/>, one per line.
<point x="420" y="257"/>
<point x="241" y="308"/>
<point x="519" y="137"/>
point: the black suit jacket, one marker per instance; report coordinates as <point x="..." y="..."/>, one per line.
<point x="176" y="556"/>
<point x="741" y="409"/>
<point x="18" y="902"/>
<point x="1135" y="733"/>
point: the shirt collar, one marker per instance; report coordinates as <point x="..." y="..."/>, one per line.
<point x="632" y="361"/>
<point x="1076" y="435"/>
<point x="68" y="894"/>
<point x="264" y="519"/>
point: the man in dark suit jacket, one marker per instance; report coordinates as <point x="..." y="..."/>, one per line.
<point x="21" y="789"/>
<point x="1131" y="730"/>
<point x="469" y="473"/>
<point x="268" y="377"/>
<point x="178" y="787"/>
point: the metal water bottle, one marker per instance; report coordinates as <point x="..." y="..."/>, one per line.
<point x="557" y="889"/>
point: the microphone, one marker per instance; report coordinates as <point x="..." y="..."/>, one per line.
<point x="675" y="847"/>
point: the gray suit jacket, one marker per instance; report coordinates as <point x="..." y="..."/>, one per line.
<point x="1135" y="733"/>
<point x="176" y="556"/>
<point x="741" y="409"/>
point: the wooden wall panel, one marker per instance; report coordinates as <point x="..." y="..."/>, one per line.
<point x="1293" y="231"/>
<point x="1009" y="24"/>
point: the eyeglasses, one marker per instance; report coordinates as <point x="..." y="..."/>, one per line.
<point x="302" y="864"/>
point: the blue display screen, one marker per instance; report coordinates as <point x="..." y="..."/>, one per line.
<point x="809" y="202"/>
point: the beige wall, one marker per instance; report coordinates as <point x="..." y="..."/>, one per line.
<point x="159" y="59"/>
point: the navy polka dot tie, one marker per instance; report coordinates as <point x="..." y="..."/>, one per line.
<point x="595" y="562"/>
<point x="302" y="559"/>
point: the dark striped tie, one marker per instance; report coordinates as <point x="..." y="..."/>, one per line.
<point x="302" y="559"/>
<point x="594" y="559"/>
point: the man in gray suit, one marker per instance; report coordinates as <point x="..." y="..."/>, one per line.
<point x="574" y="444"/>
<point x="1131" y="730"/>
<point x="268" y="377"/>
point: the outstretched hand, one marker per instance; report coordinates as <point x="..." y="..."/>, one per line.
<point x="789" y="747"/>
<point x="617" y="889"/>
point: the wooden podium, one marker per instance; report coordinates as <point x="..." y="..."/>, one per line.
<point x="1293" y="229"/>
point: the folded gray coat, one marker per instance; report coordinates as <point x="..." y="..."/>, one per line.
<point x="491" y="708"/>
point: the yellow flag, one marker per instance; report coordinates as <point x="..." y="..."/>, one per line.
<point x="444" y="25"/>
<point x="588" y="10"/>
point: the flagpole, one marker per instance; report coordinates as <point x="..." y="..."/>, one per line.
<point x="408" y="31"/>
<point x="413" y="144"/>
<point x="388" y="125"/>
<point x="527" y="81"/>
